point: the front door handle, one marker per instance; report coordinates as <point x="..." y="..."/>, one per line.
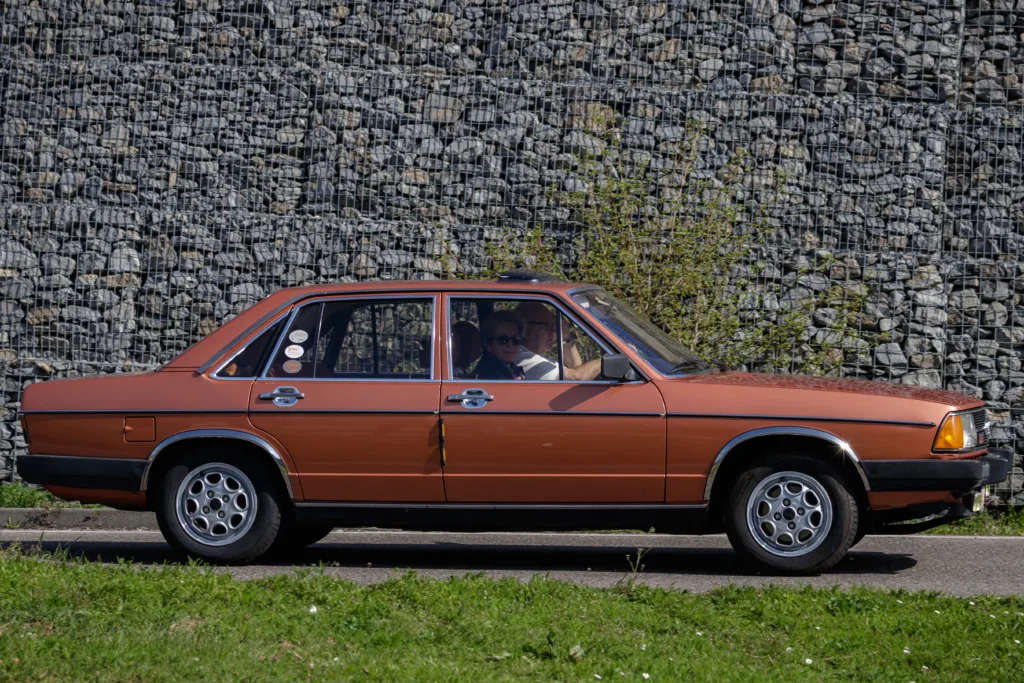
<point x="471" y="398"/>
<point x="283" y="396"/>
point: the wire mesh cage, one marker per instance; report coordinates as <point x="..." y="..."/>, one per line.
<point x="164" y="165"/>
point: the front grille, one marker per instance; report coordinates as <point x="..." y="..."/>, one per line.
<point x="980" y="417"/>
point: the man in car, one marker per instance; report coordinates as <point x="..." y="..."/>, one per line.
<point x="541" y="337"/>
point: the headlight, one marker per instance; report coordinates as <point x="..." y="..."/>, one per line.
<point x="957" y="433"/>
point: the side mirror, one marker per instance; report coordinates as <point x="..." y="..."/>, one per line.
<point x="616" y="366"/>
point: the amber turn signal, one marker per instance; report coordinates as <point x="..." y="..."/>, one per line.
<point x="956" y="433"/>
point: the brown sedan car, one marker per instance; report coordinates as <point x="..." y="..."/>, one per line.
<point x="525" y="403"/>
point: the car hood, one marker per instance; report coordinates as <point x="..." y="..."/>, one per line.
<point x="743" y="393"/>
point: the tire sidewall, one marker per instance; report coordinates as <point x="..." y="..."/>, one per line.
<point x="256" y="540"/>
<point x="838" y="539"/>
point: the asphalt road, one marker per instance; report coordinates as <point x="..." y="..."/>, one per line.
<point x="954" y="565"/>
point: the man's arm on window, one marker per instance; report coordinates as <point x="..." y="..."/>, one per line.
<point x="589" y="370"/>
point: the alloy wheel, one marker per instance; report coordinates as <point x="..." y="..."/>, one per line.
<point x="216" y="504"/>
<point x="789" y="514"/>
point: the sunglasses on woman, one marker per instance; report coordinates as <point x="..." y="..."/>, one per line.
<point x="505" y="339"/>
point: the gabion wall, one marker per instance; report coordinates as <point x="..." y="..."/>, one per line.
<point x="165" y="164"/>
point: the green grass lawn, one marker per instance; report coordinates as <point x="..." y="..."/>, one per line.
<point x="20" y="495"/>
<point x="73" y="620"/>
<point x="991" y="522"/>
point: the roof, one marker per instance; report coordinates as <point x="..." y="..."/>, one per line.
<point x="232" y="332"/>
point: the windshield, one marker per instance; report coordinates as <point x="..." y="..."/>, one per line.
<point x="664" y="353"/>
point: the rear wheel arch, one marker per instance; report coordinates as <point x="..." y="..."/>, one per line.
<point x="747" y="448"/>
<point x="171" y="448"/>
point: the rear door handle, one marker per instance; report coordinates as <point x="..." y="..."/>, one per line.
<point x="471" y="398"/>
<point x="283" y="396"/>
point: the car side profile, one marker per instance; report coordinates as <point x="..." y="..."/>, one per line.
<point x="522" y="403"/>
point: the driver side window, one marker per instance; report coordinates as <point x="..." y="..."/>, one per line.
<point x="519" y="339"/>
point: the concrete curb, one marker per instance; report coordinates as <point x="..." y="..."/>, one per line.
<point x="76" y="518"/>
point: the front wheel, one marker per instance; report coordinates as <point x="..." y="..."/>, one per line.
<point x="220" y="508"/>
<point x="791" y="514"/>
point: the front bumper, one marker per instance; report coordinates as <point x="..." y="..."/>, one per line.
<point x="938" y="475"/>
<point x="117" y="474"/>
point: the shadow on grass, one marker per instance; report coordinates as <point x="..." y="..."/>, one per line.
<point x="482" y="557"/>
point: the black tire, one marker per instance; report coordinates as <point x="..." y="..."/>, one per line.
<point x="822" y="551"/>
<point x="862" y="531"/>
<point x="293" y="538"/>
<point x="261" y="531"/>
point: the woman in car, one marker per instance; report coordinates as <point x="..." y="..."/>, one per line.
<point x="501" y="333"/>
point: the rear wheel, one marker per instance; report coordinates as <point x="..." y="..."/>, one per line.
<point x="222" y="508"/>
<point x="791" y="514"/>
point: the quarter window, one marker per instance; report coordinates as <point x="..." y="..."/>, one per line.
<point x="247" y="364"/>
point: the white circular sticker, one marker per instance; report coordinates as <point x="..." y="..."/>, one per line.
<point x="294" y="351"/>
<point x="298" y="336"/>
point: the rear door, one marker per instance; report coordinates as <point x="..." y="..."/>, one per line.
<point x="351" y="392"/>
<point x="545" y="441"/>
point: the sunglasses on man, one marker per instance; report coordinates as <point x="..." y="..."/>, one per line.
<point x="505" y="339"/>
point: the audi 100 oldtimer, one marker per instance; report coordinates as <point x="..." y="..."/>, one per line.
<point x="523" y="403"/>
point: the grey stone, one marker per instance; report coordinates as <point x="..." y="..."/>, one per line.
<point x="815" y="34"/>
<point x="442" y="109"/>
<point x="890" y="355"/>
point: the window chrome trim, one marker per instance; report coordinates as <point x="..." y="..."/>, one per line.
<point x="432" y="297"/>
<point x="359" y="289"/>
<point x="846" y="449"/>
<point x="213" y="375"/>
<point x="220" y="434"/>
<point x="606" y="346"/>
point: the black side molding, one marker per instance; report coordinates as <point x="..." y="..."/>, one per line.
<point x="937" y="475"/>
<point x="118" y="474"/>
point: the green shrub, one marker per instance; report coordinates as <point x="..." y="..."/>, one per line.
<point x="687" y="249"/>
<point x="20" y="495"/>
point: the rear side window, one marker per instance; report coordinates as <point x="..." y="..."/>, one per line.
<point x="248" y="362"/>
<point x="379" y="339"/>
<point x="358" y="339"/>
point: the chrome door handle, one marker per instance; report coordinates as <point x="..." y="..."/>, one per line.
<point x="471" y="398"/>
<point x="283" y="396"/>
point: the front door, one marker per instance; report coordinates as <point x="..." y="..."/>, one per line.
<point x="352" y="392"/>
<point x="545" y="428"/>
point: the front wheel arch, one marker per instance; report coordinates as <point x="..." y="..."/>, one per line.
<point x="747" y="452"/>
